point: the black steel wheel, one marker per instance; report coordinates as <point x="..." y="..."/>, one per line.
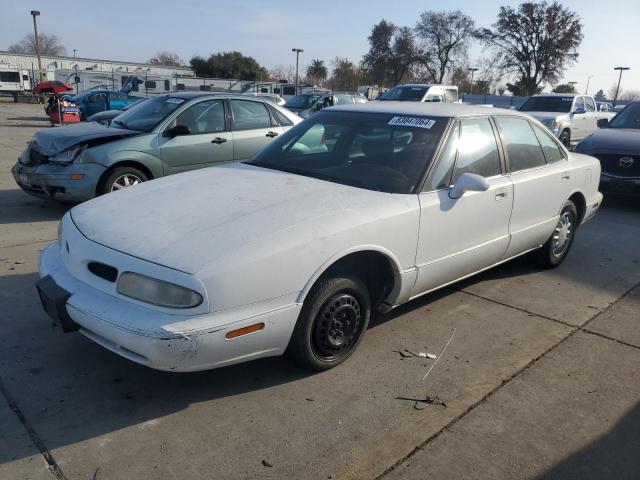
<point x="332" y="322"/>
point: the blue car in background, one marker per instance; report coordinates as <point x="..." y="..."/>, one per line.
<point x="97" y="100"/>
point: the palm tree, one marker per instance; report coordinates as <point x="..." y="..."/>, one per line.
<point x="317" y="70"/>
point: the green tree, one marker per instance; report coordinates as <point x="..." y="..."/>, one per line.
<point x="536" y="41"/>
<point x="445" y="37"/>
<point x="346" y="76"/>
<point x="392" y="53"/>
<point x="317" y="71"/>
<point x="520" y="88"/>
<point x="166" y="58"/>
<point x="228" y="65"/>
<point x="564" y="88"/>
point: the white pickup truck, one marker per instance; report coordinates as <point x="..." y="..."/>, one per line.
<point x="569" y="116"/>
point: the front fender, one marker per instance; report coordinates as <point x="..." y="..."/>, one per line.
<point x="153" y="163"/>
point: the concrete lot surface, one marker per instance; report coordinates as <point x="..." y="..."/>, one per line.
<point x="540" y="380"/>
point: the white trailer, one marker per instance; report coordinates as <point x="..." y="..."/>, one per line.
<point x="14" y="81"/>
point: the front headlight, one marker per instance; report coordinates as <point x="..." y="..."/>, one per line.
<point x="157" y="292"/>
<point x="68" y="156"/>
<point x="551" y="123"/>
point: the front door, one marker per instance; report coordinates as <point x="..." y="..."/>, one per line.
<point x="95" y="103"/>
<point x="253" y="128"/>
<point x="208" y="142"/>
<point x="461" y="236"/>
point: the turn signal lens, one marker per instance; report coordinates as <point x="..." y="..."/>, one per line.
<point x="157" y="292"/>
<point x="244" y="331"/>
<point x="76" y="176"/>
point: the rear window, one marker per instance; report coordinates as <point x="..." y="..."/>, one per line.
<point x="547" y="104"/>
<point x="404" y="94"/>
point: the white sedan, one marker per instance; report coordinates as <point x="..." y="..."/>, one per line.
<point x="360" y="207"/>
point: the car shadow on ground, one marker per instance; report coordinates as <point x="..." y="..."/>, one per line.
<point x="616" y="454"/>
<point x="42" y="119"/>
<point x="19" y="207"/>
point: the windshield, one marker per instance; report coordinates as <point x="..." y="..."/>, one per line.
<point x="547" y="104"/>
<point x="629" y="117"/>
<point x="146" y="115"/>
<point x="375" y="151"/>
<point x="404" y="94"/>
<point x="302" y="101"/>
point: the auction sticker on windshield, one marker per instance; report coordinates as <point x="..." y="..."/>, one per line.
<point x="412" y="122"/>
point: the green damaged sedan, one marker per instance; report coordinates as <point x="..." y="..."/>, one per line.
<point x="164" y="135"/>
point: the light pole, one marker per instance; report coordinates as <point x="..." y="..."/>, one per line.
<point x="34" y="14"/>
<point x="297" y="51"/>
<point x="622" y="69"/>
<point x="586" y="90"/>
<point x="74" y="53"/>
<point x="472" y="70"/>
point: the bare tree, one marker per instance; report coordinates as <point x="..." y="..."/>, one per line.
<point x="282" y="72"/>
<point x="536" y="42"/>
<point x="48" y="44"/>
<point x="166" y="58"/>
<point x="445" y="39"/>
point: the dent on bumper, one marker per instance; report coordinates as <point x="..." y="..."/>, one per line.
<point x="54" y="180"/>
<point x="171" y="345"/>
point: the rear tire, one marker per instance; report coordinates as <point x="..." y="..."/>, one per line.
<point x="565" y="138"/>
<point x="331" y="324"/>
<point x="556" y="249"/>
<point x="122" y="177"/>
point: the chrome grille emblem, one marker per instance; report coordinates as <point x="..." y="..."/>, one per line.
<point x="625" y="162"/>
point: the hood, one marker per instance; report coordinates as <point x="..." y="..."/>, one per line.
<point x="615" y="140"/>
<point x="189" y="220"/>
<point x="51" y="141"/>
<point x="542" y="116"/>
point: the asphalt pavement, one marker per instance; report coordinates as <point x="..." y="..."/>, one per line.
<point x="541" y="379"/>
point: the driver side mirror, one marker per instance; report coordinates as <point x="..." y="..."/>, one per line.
<point x="469" y="182"/>
<point x="603" y="122"/>
<point x="579" y="111"/>
<point x="176" y="131"/>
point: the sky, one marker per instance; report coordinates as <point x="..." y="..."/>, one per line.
<point x="135" y="30"/>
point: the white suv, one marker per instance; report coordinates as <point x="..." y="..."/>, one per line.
<point x="421" y="92"/>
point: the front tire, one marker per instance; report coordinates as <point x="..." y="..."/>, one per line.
<point x="556" y="249"/>
<point x="331" y="324"/>
<point x="565" y="138"/>
<point x="122" y="177"/>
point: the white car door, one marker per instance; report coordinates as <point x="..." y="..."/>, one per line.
<point x="579" y="121"/>
<point x="461" y="236"/>
<point x="592" y="116"/>
<point x="538" y="169"/>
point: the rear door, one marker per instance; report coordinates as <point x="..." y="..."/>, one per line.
<point x="592" y="115"/>
<point x="253" y="128"/>
<point x="461" y="236"/>
<point x="209" y="142"/>
<point x="540" y="176"/>
<point x="579" y="121"/>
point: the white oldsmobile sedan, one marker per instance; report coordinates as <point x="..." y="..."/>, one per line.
<point x="360" y="207"/>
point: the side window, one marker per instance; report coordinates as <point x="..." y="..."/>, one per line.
<point x="523" y="148"/>
<point x="579" y="104"/>
<point x="281" y="118"/>
<point x="441" y="174"/>
<point x="552" y="151"/>
<point x="477" y="149"/>
<point x="167" y="85"/>
<point x="150" y="84"/>
<point x="248" y="115"/>
<point x="435" y="94"/>
<point x="203" y="117"/>
<point x="590" y="104"/>
<point x="118" y="96"/>
<point x="451" y="95"/>
<point x="97" y="98"/>
<point x="342" y="99"/>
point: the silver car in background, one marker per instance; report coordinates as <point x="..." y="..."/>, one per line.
<point x="161" y="136"/>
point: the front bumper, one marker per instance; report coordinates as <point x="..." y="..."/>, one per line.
<point x="160" y="340"/>
<point x="55" y="181"/>
<point x="619" y="186"/>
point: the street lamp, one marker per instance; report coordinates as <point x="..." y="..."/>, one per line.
<point x="622" y="69"/>
<point x="472" y="70"/>
<point x="297" y="51"/>
<point x="34" y="14"/>
<point x="586" y="90"/>
<point x="74" y="53"/>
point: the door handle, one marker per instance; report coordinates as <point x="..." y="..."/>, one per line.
<point x="271" y="134"/>
<point x="501" y="194"/>
<point x="218" y="140"/>
<point x="566" y="175"/>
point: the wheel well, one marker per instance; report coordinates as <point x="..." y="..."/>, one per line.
<point x="372" y="267"/>
<point x="126" y="163"/>
<point x="580" y="203"/>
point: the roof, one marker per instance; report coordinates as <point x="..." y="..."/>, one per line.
<point x="425" y="85"/>
<point x="553" y="94"/>
<point x="424" y="108"/>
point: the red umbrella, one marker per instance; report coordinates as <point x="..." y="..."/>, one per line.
<point x="52" y="87"/>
